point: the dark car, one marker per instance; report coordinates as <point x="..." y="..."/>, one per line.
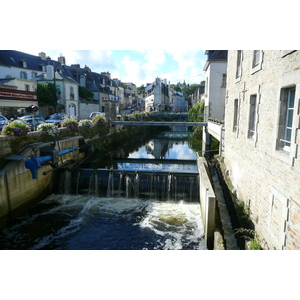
<point x="3" y="121"/>
<point x="56" y="118"/>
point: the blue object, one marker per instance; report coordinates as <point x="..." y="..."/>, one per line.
<point x="33" y="164"/>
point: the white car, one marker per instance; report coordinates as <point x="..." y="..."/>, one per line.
<point x="94" y="114"/>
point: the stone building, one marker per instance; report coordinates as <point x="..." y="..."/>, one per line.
<point x="261" y="144"/>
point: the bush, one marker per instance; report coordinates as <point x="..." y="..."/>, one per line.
<point x="16" y="129"/>
<point x="98" y="120"/>
<point x="50" y="129"/>
<point x="86" y="128"/>
<point x="70" y="123"/>
<point x="86" y="123"/>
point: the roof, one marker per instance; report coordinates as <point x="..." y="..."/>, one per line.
<point x="215" y="56"/>
<point x="12" y="58"/>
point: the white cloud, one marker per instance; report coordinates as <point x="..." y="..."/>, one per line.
<point x="154" y="59"/>
<point x="134" y="71"/>
<point x="190" y="65"/>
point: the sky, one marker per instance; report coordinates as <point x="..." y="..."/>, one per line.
<point x="137" y="66"/>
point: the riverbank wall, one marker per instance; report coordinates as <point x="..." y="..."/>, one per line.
<point x="18" y="190"/>
<point x="207" y="203"/>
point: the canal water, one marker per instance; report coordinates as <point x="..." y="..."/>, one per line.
<point x="148" y="200"/>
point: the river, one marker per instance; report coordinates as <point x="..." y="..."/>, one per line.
<point x="146" y="201"/>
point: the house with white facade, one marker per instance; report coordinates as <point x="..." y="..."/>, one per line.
<point x="67" y="90"/>
<point x="157" y="96"/>
<point x="17" y="84"/>
<point x="262" y="141"/>
<point x="178" y="102"/>
<point x="215" y="84"/>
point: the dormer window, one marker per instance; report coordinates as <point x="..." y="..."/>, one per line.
<point x="24" y="63"/>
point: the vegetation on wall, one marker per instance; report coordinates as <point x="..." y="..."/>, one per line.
<point x="46" y="94"/>
<point x="85" y="94"/>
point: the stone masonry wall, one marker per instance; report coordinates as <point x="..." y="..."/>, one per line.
<point x="266" y="177"/>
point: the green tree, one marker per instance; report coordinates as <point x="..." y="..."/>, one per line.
<point x="177" y="88"/>
<point x="141" y="89"/>
<point x="46" y="94"/>
<point x="196" y="113"/>
<point x="85" y="94"/>
<point x="189" y="90"/>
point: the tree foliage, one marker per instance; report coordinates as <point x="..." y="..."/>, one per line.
<point x="196" y="113"/>
<point x="188" y="90"/>
<point x="141" y="89"/>
<point x="85" y="94"/>
<point x="46" y="94"/>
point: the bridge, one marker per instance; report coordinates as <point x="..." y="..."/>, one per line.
<point x="159" y="123"/>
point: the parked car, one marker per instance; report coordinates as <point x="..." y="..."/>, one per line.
<point x="56" y="118"/>
<point x="3" y="121"/>
<point x="39" y="118"/>
<point x="93" y="114"/>
<point x="32" y="126"/>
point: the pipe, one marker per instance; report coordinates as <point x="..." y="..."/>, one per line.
<point x="33" y="164"/>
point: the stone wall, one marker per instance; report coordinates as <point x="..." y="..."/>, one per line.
<point x="265" y="175"/>
<point x="18" y="191"/>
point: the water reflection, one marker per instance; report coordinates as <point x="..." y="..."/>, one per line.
<point x="161" y="154"/>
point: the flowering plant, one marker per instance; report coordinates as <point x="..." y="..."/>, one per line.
<point x="70" y="123"/>
<point x="98" y="120"/>
<point x="16" y="128"/>
<point x="50" y="129"/>
<point x="86" y="123"/>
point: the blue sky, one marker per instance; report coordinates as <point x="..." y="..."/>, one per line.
<point x="137" y="66"/>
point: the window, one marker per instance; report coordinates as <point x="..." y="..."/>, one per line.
<point x="34" y="74"/>
<point x="27" y="87"/>
<point x="239" y="64"/>
<point x="256" y="61"/>
<point x="252" y="116"/>
<point x="23" y="75"/>
<point x="256" y="58"/>
<point x="286" y="118"/>
<point x="235" y="114"/>
<point x="224" y="77"/>
<point x="71" y="93"/>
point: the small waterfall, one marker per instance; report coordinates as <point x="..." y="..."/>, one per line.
<point x="65" y="182"/>
<point x="127" y="186"/>
<point x="77" y="183"/>
<point x="110" y="185"/>
<point x="147" y="185"/>
<point x="136" y="185"/>
<point x="120" y="190"/>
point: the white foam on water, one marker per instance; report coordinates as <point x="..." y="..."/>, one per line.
<point x="178" y="222"/>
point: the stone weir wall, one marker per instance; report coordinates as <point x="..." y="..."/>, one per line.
<point x="208" y="203"/>
<point x="18" y="191"/>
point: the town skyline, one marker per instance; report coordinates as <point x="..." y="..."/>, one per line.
<point x="137" y="66"/>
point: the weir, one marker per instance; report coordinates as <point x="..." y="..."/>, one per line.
<point x="115" y="183"/>
<point x="187" y="183"/>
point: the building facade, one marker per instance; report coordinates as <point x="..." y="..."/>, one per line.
<point x="262" y="138"/>
<point x="215" y="84"/>
<point x="157" y="96"/>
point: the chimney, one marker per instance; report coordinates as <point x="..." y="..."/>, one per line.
<point x="50" y="72"/>
<point x="61" y="60"/>
<point x="42" y="55"/>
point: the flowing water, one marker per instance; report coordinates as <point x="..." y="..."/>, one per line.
<point x="138" y="205"/>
